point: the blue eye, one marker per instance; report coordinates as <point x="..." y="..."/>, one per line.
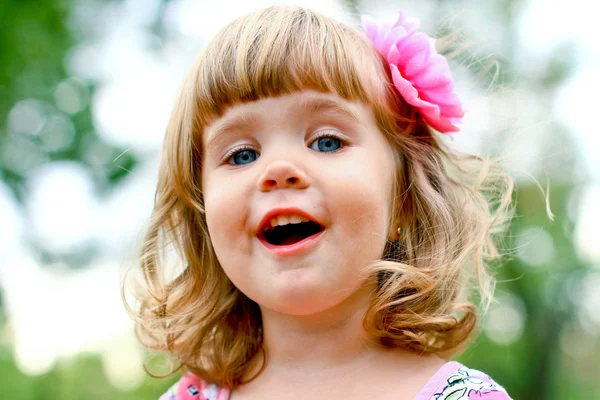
<point x="326" y="144"/>
<point x="244" y="157"/>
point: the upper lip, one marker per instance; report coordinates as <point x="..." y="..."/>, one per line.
<point x="266" y="219"/>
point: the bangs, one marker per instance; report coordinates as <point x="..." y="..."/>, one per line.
<point x="281" y="50"/>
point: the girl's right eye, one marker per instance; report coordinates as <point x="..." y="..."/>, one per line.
<point x="243" y="156"/>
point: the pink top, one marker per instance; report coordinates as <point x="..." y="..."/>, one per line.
<point x="452" y="381"/>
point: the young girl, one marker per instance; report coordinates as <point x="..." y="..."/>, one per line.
<point x="327" y="237"/>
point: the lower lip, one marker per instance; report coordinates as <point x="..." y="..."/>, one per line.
<point x="291" y="249"/>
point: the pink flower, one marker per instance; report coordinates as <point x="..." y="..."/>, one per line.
<point x="420" y="74"/>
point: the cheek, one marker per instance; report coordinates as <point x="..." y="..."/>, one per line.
<point x="364" y="216"/>
<point x="362" y="206"/>
<point x="225" y="216"/>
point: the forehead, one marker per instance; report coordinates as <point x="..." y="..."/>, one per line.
<point x="298" y="106"/>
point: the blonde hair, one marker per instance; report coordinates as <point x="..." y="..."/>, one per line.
<point x="448" y="204"/>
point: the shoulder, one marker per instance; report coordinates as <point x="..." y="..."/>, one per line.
<point x="192" y="387"/>
<point x="454" y="381"/>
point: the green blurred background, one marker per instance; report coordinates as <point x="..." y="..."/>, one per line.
<point x="86" y="88"/>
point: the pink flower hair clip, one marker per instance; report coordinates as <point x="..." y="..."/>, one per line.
<point x="420" y="74"/>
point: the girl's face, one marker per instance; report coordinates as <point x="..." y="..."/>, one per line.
<point x="317" y="167"/>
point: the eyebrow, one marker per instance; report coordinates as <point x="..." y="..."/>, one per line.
<point x="242" y="121"/>
<point x="314" y="105"/>
<point x="311" y="105"/>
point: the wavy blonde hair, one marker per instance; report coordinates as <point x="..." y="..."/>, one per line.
<point x="448" y="204"/>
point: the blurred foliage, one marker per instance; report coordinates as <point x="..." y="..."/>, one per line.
<point x="81" y="378"/>
<point x="534" y="367"/>
<point x="36" y="40"/>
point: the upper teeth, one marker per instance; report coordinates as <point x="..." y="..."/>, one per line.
<point x="286" y="219"/>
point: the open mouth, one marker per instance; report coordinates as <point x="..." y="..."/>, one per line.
<point x="288" y="230"/>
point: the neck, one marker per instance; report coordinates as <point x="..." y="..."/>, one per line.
<point x="328" y="340"/>
<point x="331" y="350"/>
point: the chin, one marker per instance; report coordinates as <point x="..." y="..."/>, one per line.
<point x="303" y="298"/>
<point x="301" y="306"/>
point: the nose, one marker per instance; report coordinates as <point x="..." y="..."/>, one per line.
<point x="282" y="174"/>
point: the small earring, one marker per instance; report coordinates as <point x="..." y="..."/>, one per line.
<point x="400" y="232"/>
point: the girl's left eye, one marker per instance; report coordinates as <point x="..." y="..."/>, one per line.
<point x="326" y="144"/>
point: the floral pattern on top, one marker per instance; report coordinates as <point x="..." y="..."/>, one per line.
<point x="469" y="384"/>
<point x="454" y="381"/>
<point x="191" y="387"/>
